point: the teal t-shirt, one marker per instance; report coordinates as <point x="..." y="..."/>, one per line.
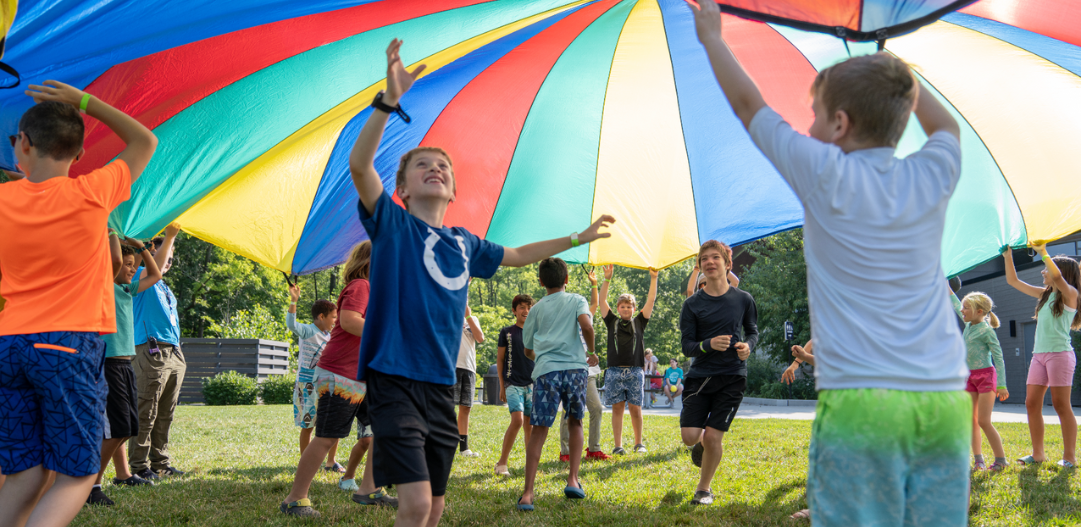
<point x="981" y="346"/>
<point x="122" y="343"/>
<point x="551" y="331"/>
<point x="1053" y="333"/>
<point x="673" y="375"/>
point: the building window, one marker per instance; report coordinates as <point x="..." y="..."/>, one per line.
<point x="1068" y="249"/>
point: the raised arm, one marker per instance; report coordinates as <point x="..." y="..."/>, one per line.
<point x="651" y="298"/>
<point x="1068" y="292"/>
<point x="933" y="116"/>
<point x="535" y="252"/>
<point x="362" y="158"/>
<point x="166" y="249"/>
<point x="609" y="270"/>
<point x="692" y="282"/>
<point x="153" y="274"/>
<point x="741" y="91"/>
<point x="1013" y="280"/>
<point x="139" y="140"/>
<point x="115" y="253"/>
<point x="474" y="325"/>
<point x="593" y="299"/>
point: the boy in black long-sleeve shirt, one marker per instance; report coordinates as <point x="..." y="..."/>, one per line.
<point x="711" y="323"/>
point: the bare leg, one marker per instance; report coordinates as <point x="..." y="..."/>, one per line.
<point x="636" y="423"/>
<point x="977" y="439"/>
<point x="305" y="438"/>
<point x="510" y="436"/>
<point x="690" y="436"/>
<point x="367" y="482"/>
<point x="1060" y="399"/>
<point x="60" y="504"/>
<point x="713" y="441"/>
<point x="21" y="493"/>
<point x="617" y="423"/>
<point x="577" y="438"/>
<point x="356" y="455"/>
<point x="463" y="420"/>
<point x="108" y="447"/>
<point x="416" y="505"/>
<point x="308" y="467"/>
<point x="1034" y="407"/>
<point x="532" y="459"/>
<point x="332" y="453"/>
<point x="984" y="407"/>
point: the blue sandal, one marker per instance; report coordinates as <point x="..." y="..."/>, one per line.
<point x="574" y="493"/>
<point x="1065" y="464"/>
<point x="1028" y="460"/>
<point x="525" y="507"/>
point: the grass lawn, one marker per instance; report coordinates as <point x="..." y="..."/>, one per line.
<point x="241" y="461"/>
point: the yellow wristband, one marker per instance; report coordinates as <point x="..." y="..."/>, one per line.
<point x="84" y="103"/>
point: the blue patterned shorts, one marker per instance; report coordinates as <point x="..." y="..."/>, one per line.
<point x="566" y="387"/>
<point x="520" y="399"/>
<point x="624" y="384"/>
<point x="52" y="402"/>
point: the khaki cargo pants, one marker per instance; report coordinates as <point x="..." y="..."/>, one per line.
<point x="158" y="379"/>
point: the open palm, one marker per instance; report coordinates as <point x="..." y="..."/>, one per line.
<point x="398" y="79"/>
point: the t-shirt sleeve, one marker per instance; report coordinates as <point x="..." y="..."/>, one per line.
<point x="503" y="341"/>
<point x="941" y="157"/>
<point x="609" y="319"/>
<point x="583" y="306"/>
<point x="528" y="330"/>
<point x="484" y="256"/>
<point x="801" y="160"/>
<point x="642" y="321"/>
<point x="109" y="185"/>
<point x="355" y="297"/>
<point x="386" y="217"/>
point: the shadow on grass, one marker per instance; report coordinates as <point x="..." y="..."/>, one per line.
<point x="255" y="473"/>
<point x="1047" y="499"/>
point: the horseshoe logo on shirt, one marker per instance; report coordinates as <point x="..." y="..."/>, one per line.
<point x="435" y="272"/>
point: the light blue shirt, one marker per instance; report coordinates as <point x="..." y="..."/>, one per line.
<point x="155" y="314"/>
<point x="551" y="331"/>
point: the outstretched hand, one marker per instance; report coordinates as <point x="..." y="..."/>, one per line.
<point x="592" y="276"/>
<point x="593" y="232"/>
<point x="294" y="293"/>
<point x="707" y="19"/>
<point x="172" y="229"/>
<point x="609" y="270"/>
<point x="789" y="375"/>
<point x="653" y="274"/>
<point x="51" y="90"/>
<point x="133" y="242"/>
<point x="398" y="79"/>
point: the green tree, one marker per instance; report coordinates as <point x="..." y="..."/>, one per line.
<point x="778" y="281"/>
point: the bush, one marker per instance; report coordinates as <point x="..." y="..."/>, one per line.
<point x="761" y="372"/>
<point x="230" y="388"/>
<point x="277" y="389"/>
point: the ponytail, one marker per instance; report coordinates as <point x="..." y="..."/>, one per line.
<point x="993" y="320"/>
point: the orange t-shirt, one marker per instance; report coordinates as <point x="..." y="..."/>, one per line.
<point x="55" y="268"/>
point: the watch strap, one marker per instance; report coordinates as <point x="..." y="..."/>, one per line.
<point x="378" y="104"/>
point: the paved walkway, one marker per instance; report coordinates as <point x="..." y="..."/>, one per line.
<point x="1004" y="413"/>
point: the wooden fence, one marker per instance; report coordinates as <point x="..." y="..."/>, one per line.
<point x="255" y="358"/>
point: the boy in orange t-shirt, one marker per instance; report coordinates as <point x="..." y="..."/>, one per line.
<point x="58" y="302"/>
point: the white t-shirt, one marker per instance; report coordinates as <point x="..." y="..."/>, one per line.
<point x="467" y="352"/>
<point x="880" y="316"/>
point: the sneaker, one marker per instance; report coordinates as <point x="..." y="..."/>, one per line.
<point x="348" y="484"/>
<point x="598" y="455"/>
<point x="147" y="474"/>
<point x="997" y="467"/>
<point x="336" y="467"/>
<point x="618" y="451"/>
<point x="132" y="481"/>
<point x="502" y="470"/>
<point x="469" y="453"/>
<point x="640" y="448"/>
<point x="97" y="497"/>
<point x="979" y="465"/>
<point x="564" y="458"/>
<point x="696" y="454"/>
<point x="377" y="498"/>
<point x="702" y="497"/>
<point x="171" y="472"/>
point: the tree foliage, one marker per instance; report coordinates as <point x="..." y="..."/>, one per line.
<point x="778" y="281"/>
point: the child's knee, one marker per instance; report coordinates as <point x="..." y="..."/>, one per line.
<point x="516" y="419"/>
<point x="713" y="438"/>
<point x="691" y="436"/>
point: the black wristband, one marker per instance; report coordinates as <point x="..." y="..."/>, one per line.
<point x="378" y="104"/>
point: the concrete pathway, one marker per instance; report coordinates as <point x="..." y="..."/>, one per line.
<point x="1004" y="413"/>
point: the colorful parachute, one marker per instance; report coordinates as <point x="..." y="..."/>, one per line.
<point x="554" y="111"/>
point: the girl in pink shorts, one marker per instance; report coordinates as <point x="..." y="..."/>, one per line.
<point x="988" y="373"/>
<point x="1053" y="359"/>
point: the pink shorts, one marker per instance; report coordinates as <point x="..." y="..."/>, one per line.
<point x="1052" y="369"/>
<point x="982" y="380"/>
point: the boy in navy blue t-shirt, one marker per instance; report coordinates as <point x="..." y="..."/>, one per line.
<point x="419" y="272"/>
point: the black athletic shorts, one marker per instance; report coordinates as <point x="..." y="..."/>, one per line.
<point x="711" y="401"/>
<point x="416" y="432"/>
<point x="340" y="401"/>
<point x="465" y="387"/>
<point x="122" y="403"/>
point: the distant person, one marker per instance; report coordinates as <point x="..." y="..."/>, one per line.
<point x="466" y="374"/>
<point x="515" y="380"/>
<point x="313" y="338"/>
<point x="673" y="381"/>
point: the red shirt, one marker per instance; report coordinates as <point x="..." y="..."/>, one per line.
<point x="342" y="352"/>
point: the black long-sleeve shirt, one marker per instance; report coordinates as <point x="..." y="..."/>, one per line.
<point x="704" y="317"/>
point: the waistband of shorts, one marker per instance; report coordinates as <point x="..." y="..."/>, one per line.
<point x="125" y="359"/>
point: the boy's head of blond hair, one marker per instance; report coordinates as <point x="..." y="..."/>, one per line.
<point x="426" y="172"/>
<point x="864" y="101"/>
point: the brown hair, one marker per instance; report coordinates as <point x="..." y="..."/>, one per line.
<point x="399" y="179"/>
<point x="878" y="92"/>
<point x="627" y="298"/>
<point x="981" y="302"/>
<point x="1072" y="275"/>
<point x="520" y="299"/>
<point x="726" y="253"/>
<point x="360" y="260"/>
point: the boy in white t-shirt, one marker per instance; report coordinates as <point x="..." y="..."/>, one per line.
<point x="465" y="373"/>
<point x="890" y="443"/>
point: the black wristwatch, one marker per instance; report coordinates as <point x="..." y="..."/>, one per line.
<point x="378" y="104"/>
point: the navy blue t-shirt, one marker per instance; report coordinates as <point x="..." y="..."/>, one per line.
<point x="419" y="278"/>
